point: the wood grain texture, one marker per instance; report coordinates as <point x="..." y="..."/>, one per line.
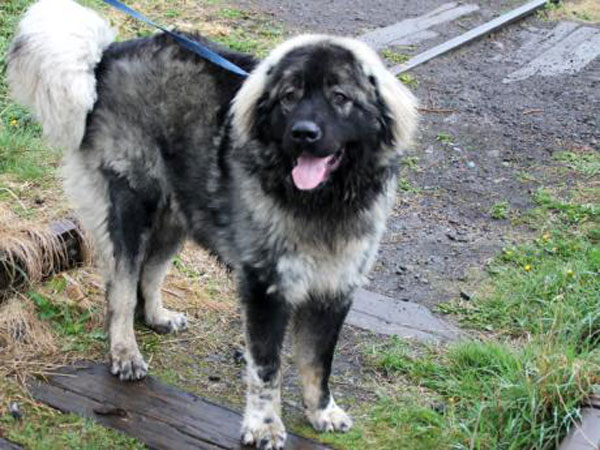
<point x="159" y="415"/>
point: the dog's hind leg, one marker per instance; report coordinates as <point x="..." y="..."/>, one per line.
<point x="266" y="314"/>
<point x="316" y="327"/>
<point x="131" y="213"/>
<point x="164" y="243"/>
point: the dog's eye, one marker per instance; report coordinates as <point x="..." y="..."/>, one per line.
<point x="340" y="99"/>
<point x="288" y="98"/>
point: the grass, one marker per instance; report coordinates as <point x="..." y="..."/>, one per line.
<point x="409" y="80"/>
<point x="580" y="10"/>
<point x="444" y="138"/>
<point x="499" y="210"/>
<point x="394" y="57"/>
<point x="586" y="163"/>
<point x="521" y="384"/>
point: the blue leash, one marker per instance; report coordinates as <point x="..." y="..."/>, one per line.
<point x="185" y="42"/>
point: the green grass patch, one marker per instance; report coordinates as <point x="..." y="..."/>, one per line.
<point x="586" y="163"/>
<point x="23" y="154"/>
<point x="522" y="387"/>
<point x="500" y="210"/>
<point x="394" y="56"/>
<point x="444" y="138"/>
<point x="44" y="430"/>
<point x="408" y="80"/>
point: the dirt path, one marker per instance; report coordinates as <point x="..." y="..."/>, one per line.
<point x="479" y="154"/>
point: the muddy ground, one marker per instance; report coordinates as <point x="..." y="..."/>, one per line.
<point x="483" y="152"/>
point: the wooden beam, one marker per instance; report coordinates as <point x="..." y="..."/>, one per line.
<point x="161" y="416"/>
<point x="7" y="445"/>
<point x="471" y="35"/>
<point x="13" y="274"/>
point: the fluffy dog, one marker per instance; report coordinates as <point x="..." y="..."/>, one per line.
<point x="288" y="176"/>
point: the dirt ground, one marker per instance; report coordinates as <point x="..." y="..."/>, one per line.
<point x="485" y="151"/>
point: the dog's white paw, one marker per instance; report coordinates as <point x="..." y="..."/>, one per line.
<point x="265" y="432"/>
<point x="164" y="321"/>
<point x="332" y="418"/>
<point x="127" y="363"/>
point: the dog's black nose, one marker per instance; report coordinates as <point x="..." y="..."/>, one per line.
<point x="306" y="131"/>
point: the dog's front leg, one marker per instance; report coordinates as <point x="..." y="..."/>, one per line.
<point x="316" y="327"/>
<point x="266" y="315"/>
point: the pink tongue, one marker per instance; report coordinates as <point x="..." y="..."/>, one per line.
<point x="310" y="171"/>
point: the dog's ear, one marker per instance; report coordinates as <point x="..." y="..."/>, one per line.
<point x="397" y="109"/>
<point x="397" y="105"/>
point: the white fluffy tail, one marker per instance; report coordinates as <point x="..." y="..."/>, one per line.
<point x="51" y="66"/>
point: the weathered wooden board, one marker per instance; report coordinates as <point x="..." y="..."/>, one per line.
<point x="416" y="29"/>
<point x="585" y="436"/>
<point x="6" y="445"/>
<point x="159" y="415"/>
<point x="385" y="315"/>
<point x="471" y="35"/>
<point x="13" y="274"/>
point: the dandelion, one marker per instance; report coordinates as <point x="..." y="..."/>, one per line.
<point x="527" y="268"/>
<point x="14" y="122"/>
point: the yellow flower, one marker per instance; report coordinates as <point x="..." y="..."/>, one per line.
<point x="570" y="273"/>
<point x="527" y="268"/>
<point x="14" y="122"/>
<point x="545" y="237"/>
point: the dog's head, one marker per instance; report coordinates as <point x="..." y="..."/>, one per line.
<point x="323" y="107"/>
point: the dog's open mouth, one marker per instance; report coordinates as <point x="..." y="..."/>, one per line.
<point x="311" y="171"/>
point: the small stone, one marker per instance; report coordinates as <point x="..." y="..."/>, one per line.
<point x="15" y="411"/>
<point x="439" y="407"/>
<point x="470" y="164"/>
<point x="238" y="357"/>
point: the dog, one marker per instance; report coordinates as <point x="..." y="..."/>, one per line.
<point x="287" y="176"/>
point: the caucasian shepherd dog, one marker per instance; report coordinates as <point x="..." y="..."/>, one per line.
<point x="288" y="176"/>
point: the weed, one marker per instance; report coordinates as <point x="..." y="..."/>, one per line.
<point x="411" y="162"/>
<point x="394" y="57"/>
<point x="444" y="138"/>
<point x="66" y="319"/>
<point x="587" y="163"/>
<point x="231" y="13"/>
<point x="46" y="430"/>
<point x="405" y="185"/>
<point x="408" y="80"/>
<point x="581" y="10"/>
<point x="500" y="210"/>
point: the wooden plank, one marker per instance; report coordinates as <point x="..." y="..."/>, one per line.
<point x="158" y="415"/>
<point x="570" y="55"/>
<point x="7" y="445"/>
<point x="413" y="30"/>
<point x="385" y="315"/>
<point x="12" y="272"/>
<point x="470" y="35"/>
<point x="584" y="436"/>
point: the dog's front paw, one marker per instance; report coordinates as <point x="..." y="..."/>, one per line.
<point x="266" y="432"/>
<point x="127" y="363"/>
<point x="164" y="321"/>
<point x="332" y="418"/>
